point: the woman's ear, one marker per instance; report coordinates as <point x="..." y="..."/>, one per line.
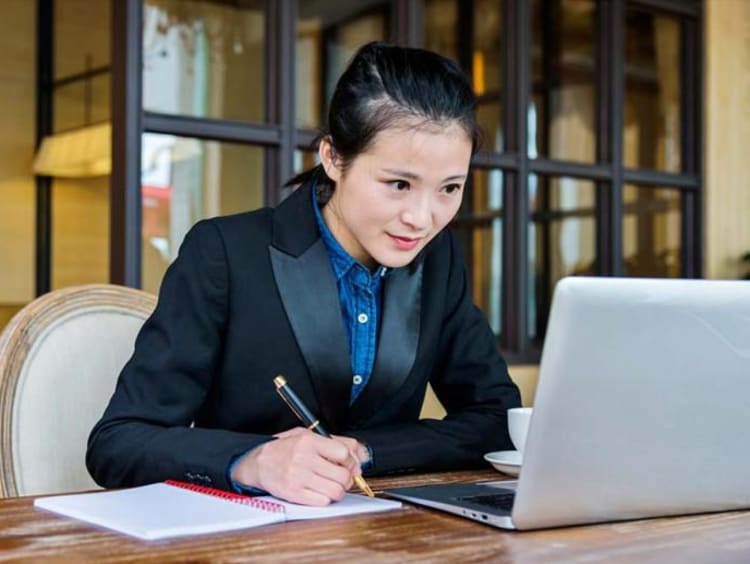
<point x="329" y="159"/>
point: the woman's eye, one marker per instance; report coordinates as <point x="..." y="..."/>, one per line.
<point x="451" y="188"/>
<point x="400" y="184"/>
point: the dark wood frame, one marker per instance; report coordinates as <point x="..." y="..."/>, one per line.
<point x="280" y="137"/>
<point x="44" y="124"/>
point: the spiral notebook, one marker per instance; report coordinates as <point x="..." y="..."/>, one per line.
<point x="173" y="509"/>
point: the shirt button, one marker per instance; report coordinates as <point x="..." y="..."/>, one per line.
<point x="357" y="379"/>
<point x="362" y="318"/>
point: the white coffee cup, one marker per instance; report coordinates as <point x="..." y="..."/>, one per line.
<point x="518" y="425"/>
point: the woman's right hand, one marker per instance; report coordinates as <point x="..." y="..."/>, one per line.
<point x="299" y="466"/>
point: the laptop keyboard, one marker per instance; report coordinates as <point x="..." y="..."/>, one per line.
<point x="501" y="501"/>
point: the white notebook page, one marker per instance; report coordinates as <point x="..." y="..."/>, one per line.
<point x="161" y="510"/>
<point x="158" y="511"/>
<point x="351" y="504"/>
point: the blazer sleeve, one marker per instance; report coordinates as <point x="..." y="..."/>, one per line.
<point x="471" y="380"/>
<point x="146" y="433"/>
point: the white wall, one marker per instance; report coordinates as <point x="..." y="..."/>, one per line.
<point x="727" y="130"/>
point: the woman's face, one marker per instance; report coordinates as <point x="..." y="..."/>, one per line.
<point x="396" y="196"/>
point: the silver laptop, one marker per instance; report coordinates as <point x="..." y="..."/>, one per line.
<point x="642" y="409"/>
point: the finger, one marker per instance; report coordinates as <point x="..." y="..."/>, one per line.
<point x="330" y="489"/>
<point x="358" y="450"/>
<point x="301" y="460"/>
<point x="352" y="464"/>
<point x="332" y="449"/>
<point x="302" y="494"/>
<point x="321" y="456"/>
<point x="298" y="482"/>
<point x="305" y="443"/>
<point x="302" y="485"/>
<point x="294" y="431"/>
<point x="336" y="473"/>
<point x="350" y="444"/>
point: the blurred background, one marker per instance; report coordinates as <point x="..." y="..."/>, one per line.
<point x="614" y="144"/>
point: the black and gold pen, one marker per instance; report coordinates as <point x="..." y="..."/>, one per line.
<point x="309" y="420"/>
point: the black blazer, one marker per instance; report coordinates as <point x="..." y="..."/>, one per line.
<point x="253" y="295"/>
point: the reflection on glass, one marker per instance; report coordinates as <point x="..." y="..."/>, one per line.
<point x="82" y="35"/>
<point x="562" y="239"/>
<point x="327" y="38"/>
<point x="204" y="58"/>
<point x="440" y="24"/>
<point x="652" y="92"/>
<point x="80" y="206"/>
<point x="651" y="231"/>
<point x="308" y="80"/>
<point x="441" y="35"/>
<point x="480" y="229"/>
<point x="80" y="231"/>
<point x="80" y="103"/>
<point x="486" y="70"/>
<point x="486" y="191"/>
<point x="563" y="94"/>
<point x="489" y="117"/>
<point x="304" y="160"/>
<point x="184" y="180"/>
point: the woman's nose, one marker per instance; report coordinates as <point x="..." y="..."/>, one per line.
<point x="418" y="214"/>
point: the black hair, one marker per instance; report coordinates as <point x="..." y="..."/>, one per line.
<point x="384" y="84"/>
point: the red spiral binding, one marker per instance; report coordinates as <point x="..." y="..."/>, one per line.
<point x="262" y="504"/>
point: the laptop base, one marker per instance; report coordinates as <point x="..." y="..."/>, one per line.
<point x="485" y="502"/>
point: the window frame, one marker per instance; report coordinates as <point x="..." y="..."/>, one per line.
<point x="280" y="137"/>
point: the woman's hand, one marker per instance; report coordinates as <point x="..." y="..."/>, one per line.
<point x="358" y="451"/>
<point x="302" y="467"/>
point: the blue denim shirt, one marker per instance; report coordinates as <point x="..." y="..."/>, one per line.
<point x="360" y="296"/>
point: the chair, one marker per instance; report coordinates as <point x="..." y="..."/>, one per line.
<point x="59" y="360"/>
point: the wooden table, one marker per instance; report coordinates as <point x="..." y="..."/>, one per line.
<point x="408" y="535"/>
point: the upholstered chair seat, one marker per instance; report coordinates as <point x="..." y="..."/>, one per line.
<point x="59" y="360"/>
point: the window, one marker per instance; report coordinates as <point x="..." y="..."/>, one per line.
<point x="79" y="98"/>
<point x="183" y="180"/>
<point x="589" y="141"/>
<point x="591" y="112"/>
<point x="204" y="59"/>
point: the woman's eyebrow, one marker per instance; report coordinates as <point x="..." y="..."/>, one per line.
<point x="455" y="177"/>
<point x="403" y="173"/>
<point x="414" y="176"/>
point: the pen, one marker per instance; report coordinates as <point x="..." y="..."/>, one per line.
<point x="309" y="420"/>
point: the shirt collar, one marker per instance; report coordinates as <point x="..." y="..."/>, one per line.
<point x="341" y="261"/>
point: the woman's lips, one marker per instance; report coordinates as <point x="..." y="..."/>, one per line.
<point x="404" y="243"/>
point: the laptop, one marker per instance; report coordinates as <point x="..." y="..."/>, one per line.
<point x="642" y="409"/>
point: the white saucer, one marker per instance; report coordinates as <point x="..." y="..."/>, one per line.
<point x="506" y="461"/>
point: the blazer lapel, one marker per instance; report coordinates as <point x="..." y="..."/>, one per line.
<point x="308" y="291"/>
<point x="397" y="345"/>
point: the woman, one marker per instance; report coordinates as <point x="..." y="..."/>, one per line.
<point x="352" y="289"/>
